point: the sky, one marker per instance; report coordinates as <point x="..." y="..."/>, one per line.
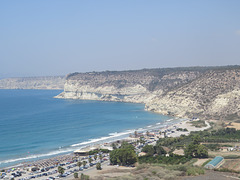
<point x="57" y="37"/>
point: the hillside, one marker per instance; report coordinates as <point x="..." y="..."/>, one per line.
<point x="209" y="92"/>
<point x="215" y="94"/>
<point x="50" y="82"/>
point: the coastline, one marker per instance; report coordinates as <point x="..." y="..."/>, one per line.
<point x="145" y="99"/>
<point x="137" y="119"/>
<point x="113" y="137"/>
<point x="70" y="158"/>
<point x="167" y="125"/>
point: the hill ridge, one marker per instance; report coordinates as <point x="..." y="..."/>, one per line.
<point x="209" y="92"/>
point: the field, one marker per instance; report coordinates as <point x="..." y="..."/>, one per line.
<point x="232" y="164"/>
<point x="226" y="155"/>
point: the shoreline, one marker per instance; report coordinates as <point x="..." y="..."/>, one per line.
<point x="69" y="161"/>
<point x="113" y="137"/>
<point x="69" y="148"/>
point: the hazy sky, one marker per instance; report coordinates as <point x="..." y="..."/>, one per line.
<point x="56" y="37"/>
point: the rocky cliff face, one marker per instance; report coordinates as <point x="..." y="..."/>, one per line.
<point x="215" y="94"/>
<point x="209" y="92"/>
<point x="51" y="82"/>
<point x="128" y="86"/>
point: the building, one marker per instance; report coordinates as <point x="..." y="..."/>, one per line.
<point x="215" y="163"/>
<point x="85" y="151"/>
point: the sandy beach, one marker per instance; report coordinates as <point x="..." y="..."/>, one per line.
<point x="47" y="168"/>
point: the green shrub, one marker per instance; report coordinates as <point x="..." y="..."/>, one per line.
<point x="193" y="171"/>
<point x="173" y="159"/>
<point x="123" y="156"/>
<point x="98" y="166"/>
<point x="84" y="177"/>
<point x="96" y="151"/>
<point x="75" y="175"/>
<point x="227" y="170"/>
<point x="154" y="172"/>
<point x="206" y="162"/>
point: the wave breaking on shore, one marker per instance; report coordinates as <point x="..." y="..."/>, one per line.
<point x="69" y="149"/>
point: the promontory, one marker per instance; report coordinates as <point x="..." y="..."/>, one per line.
<point x="207" y="92"/>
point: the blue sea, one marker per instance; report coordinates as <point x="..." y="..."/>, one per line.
<point x="34" y="125"/>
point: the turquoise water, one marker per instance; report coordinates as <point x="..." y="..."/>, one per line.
<point x="34" y="125"/>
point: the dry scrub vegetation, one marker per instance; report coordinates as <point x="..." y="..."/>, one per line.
<point x="149" y="172"/>
<point x="154" y="172"/>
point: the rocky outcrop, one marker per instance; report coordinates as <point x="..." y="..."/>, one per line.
<point x="51" y="82"/>
<point x="128" y="86"/>
<point x="209" y="92"/>
<point x="215" y="94"/>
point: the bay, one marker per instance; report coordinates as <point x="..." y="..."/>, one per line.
<point x="35" y="125"/>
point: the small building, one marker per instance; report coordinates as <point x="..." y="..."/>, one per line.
<point x="224" y="149"/>
<point x="110" y="148"/>
<point x="85" y="151"/>
<point x="142" y="154"/>
<point x="215" y="163"/>
<point x="81" y="152"/>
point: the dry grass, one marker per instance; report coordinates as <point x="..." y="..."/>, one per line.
<point x="178" y="151"/>
<point x="200" y="162"/>
<point x="147" y="172"/>
<point x="233" y="164"/>
<point x="224" y="154"/>
<point x="198" y="124"/>
<point x="234" y="125"/>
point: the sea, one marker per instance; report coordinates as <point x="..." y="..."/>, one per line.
<point x="34" y="125"/>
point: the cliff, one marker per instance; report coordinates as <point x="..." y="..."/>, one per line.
<point x="216" y="94"/>
<point x="209" y="92"/>
<point x="50" y="82"/>
<point x="128" y="86"/>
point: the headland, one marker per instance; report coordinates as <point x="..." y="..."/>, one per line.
<point x="206" y="92"/>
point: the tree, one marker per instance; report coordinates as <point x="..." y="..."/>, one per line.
<point x="197" y="139"/>
<point x="98" y="166"/>
<point x="90" y="160"/>
<point x="202" y="151"/>
<point x="135" y="134"/>
<point x="159" y="149"/>
<point x="126" y="145"/>
<point x="100" y="157"/>
<point x="164" y="134"/>
<point x="95" y="157"/>
<point x="196" y="150"/>
<point x="114" y="146"/>
<point x="75" y="175"/>
<point x="190" y="150"/>
<point x="123" y="156"/>
<point x="84" y="177"/>
<point x="142" y="141"/>
<point x="148" y="149"/>
<point x="74" y="158"/>
<point x="79" y="163"/>
<point x="84" y="163"/>
<point x="61" y="169"/>
<point x="147" y="133"/>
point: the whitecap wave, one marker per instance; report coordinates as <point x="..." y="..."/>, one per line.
<point x="63" y="150"/>
<point x="112" y="136"/>
<point x="36" y="156"/>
